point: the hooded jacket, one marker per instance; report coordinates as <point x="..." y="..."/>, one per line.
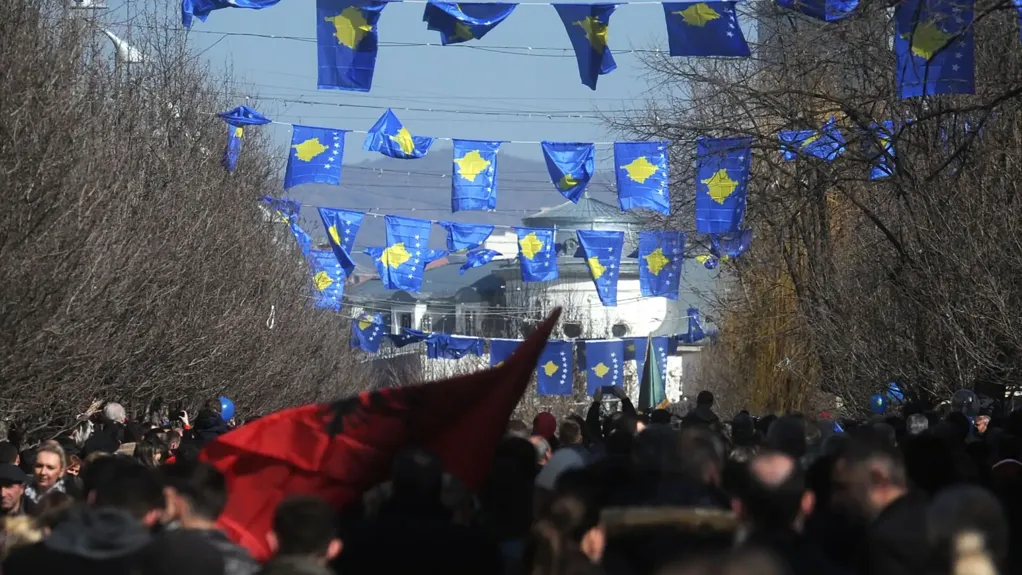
<point x="208" y="426"/>
<point x="702" y="415"/>
<point x="100" y="541"/>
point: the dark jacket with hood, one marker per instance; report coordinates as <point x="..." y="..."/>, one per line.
<point x="90" y="541"/>
<point x="105" y="440"/>
<point x="701" y="415"/>
<point x="208" y="426"/>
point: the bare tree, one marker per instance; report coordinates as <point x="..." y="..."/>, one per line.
<point x="131" y="264"/>
<point x="852" y="283"/>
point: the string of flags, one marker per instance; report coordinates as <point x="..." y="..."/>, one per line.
<point x="401" y="263"/>
<point x="933" y="39"/>
<point x="602" y="360"/>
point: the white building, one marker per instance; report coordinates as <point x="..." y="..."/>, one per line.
<point x="493" y="301"/>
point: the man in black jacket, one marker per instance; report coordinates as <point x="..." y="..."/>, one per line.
<point x="702" y="413"/>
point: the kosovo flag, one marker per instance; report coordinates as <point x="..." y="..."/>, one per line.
<point x="825" y="10"/>
<point x="722" y="177"/>
<point x="367" y="332"/>
<point x="571" y="166"/>
<point x="346" y="42"/>
<point x="302" y="238"/>
<point x="827" y="143"/>
<point x="587" y="26"/>
<point x="461" y="237"/>
<point x="604" y="364"/>
<point x="660" y="347"/>
<point x="501" y="349"/>
<point x="328" y="279"/>
<point x="555" y="370"/>
<point x="729" y="247"/>
<point x="695" y="328"/>
<point x="339" y="451"/>
<point x="709" y="262"/>
<point x="400" y="264"/>
<point x="284" y="209"/>
<point x="879" y="149"/>
<point x="477" y="258"/>
<point x="536" y="254"/>
<point x="407" y="337"/>
<point x="705" y="29"/>
<point x="341" y="228"/>
<point x="661" y="255"/>
<point x="236" y="120"/>
<point x="191" y="9"/>
<point x="474" y="181"/>
<point x="315" y="156"/>
<point x="652" y="386"/>
<point x="463" y="22"/>
<point x="390" y="137"/>
<point x="602" y="252"/>
<point x="641" y="169"/>
<point x="443" y="346"/>
<point x="934" y="47"/>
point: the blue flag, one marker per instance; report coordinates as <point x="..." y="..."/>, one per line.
<point x="722" y="178"/>
<point x="825" y="10"/>
<point x="201" y="9"/>
<point x="660" y="258"/>
<point x="389" y="137"/>
<point x="695" y="328"/>
<point x="367" y="332"/>
<point x="302" y="238"/>
<point x="327" y="279"/>
<point x="407" y="337"/>
<point x="827" y="143"/>
<point x="571" y="166"/>
<point x="402" y="262"/>
<point x="474" y="178"/>
<point x="537" y="255"/>
<point x="476" y="258"/>
<point x="462" y="237"/>
<point x="236" y="120"/>
<point x="341" y="228"/>
<point x="709" y="261"/>
<point x="315" y="156"/>
<point x="729" y="247"/>
<point x="604" y="364"/>
<point x="443" y="346"/>
<point x="879" y="149"/>
<point x="346" y="43"/>
<point x="660" y="347"/>
<point x="641" y="169"/>
<point x="501" y="349"/>
<point x="463" y="22"/>
<point x="283" y="209"/>
<point x="555" y="371"/>
<point x="602" y="251"/>
<point x="587" y="26"/>
<point x="934" y="47"/>
<point x="705" y="29"/>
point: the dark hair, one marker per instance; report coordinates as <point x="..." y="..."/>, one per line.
<point x="201" y="484"/>
<point x="553" y="545"/>
<point x="774" y="506"/>
<point x="133" y="488"/>
<point x="704" y="398"/>
<point x="8" y="452"/>
<point x="146" y="450"/>
<point x="52" y="509"/>
<point x="570" y="433"/>
<point x="98" y="471"/>
<point x="304" y="525"/>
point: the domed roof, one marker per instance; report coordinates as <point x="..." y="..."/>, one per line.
<point x="586" y="212"/>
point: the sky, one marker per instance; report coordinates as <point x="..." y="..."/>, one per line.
<point x="499" y="74"/>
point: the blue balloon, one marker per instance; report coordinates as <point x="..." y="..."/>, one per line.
<point x="226" y="409"/>
<point x="894" y="393"/>
<point x="878" y="404"/>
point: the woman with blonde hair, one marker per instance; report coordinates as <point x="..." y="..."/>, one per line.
<point x="50" y="465"/>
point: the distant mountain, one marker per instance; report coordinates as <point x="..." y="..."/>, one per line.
<point x="422" y="189"/>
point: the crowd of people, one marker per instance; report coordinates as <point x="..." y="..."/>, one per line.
<point x="607" y="493"/>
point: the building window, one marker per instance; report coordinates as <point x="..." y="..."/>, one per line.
<point x="619" y="330"/>
<point x="427" y="323"/>
<point x="404" y="320"/>
<point x="572" y="330"/>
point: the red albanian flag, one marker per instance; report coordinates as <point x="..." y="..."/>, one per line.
<point x="339" y="451"/>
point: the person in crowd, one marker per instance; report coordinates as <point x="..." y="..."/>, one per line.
<point x="543" y="450"/>
<point x="208" y="424"/>
<point x="788" y="435"/>
<point x="545" y="425"/>
<point x="570" y="434"/>
<point x="702" y="413"/>
<point x="916" y="424"/>
<point x="52" y="510"/>
<point x="149" y="452"/>
<point x="50" y="465"/>
<point x="12" y="490"/>
<point x="304" y="538"/>
<point x="196" y="494"/>
<point x="110" y="435"/>
<point x="9" y="453"/>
